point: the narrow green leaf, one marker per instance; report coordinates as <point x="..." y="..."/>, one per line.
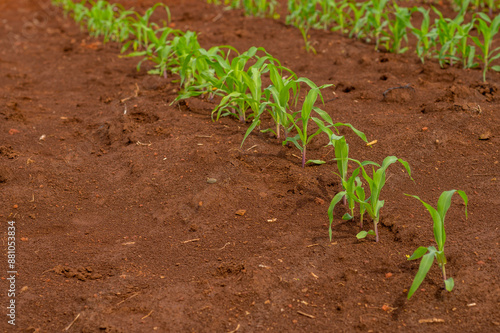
<point x="418" y="253"/>
<point x="357" y="132"/>
<point x="333" y="203"/>
<point x="315" y="162"/>
<point x="347" y="217"/>
<point x="425" y="265"/>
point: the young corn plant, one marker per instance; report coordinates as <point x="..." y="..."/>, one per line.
<point x="373" y="204"/>
<point x="81" y="13"/>
<point x="445" y="32"/>
<point x="231" y="83"/>
<point x="397" y="29"/>
<point x="425" y="39"/>
<point x="142" y="29"/>
<point x="193" y="69"/>
<point x="341" y="17"/>
<point x="281" y="94"/>
<point x="428" y="254"/>
<point x="359" y="19"/>
<point x="300" y="119"/>
<point x="488" y="29"/>
<point x="261" y="8"/>
<point x="466" y="51"/>
<point x="67" y="6"/>
<point x="304" y="16"/>
<point x="182" y="46"/>
<point x="109" y="20"/>
<point x="159" y="50"/>
<point x="376" y="19"/>
<point x="353" y="188"/>
<point x="341" y="148"/>
<point x="325" y="13"/>
<point x="197" y="75"/>
<point x="253" y="99"/>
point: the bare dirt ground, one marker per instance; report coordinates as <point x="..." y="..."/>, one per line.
<point x="118" y="228"/>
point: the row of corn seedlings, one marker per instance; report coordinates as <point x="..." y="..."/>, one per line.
<point x="354" y="193"/>
<point x="369" y="201"/>
<point x="220" y="71"/>
<point x="259" y="8"/>
<point x="477" y="5"/>
<point x="238" y="81"/>
<point x="387" y="25"/>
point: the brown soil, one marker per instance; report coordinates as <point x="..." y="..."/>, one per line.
<point x="118" y="227"/>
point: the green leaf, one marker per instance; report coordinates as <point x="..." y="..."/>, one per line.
<point x="295" y="142"/>
<point x="324" y="115"/>
<point x="357" y="132"/>
<point x="255" y="123"/>
<point x="449" y="284"/>
<point x="465" y="199"/>
<point x="347" y="217"/>
<point x="315" y="162"/>
<point x="407" y="167"/>
<point x="418" y="253"/>
<point x="425" y="265"/>
<point x="363" y="234"/>
<point x="436" y="217"/>
<point x="333" y="203"/>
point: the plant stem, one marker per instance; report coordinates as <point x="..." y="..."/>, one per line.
<point x="304" y="157"/>
<point x="444" y="274"/>
<point x="375" y="222"/>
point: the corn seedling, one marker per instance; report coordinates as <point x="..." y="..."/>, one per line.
<point x="466" y="51"/>
<point x="197" y="73"/>
<point x="300" y="119"/>
<point x="373" y="204"/>
<point x="397" y="29"/>
<point x="159" y="50"/>
<point x="304" y="16"/>
<point x="232" y="81"/>
<point x="142" y="29"/>
<point x="246" y="100"/>
<point x="376" y="19"/>
<point x="339" y="144"/>
<point x="353" y="188"/>
<point x="428" y="254"/>
<point x="283" y="92"/>
<point x="80" y="12"/>
<point x="424" y="37"/>
<point x="192" y="70"/>
<point x="67" y="6"/>
<point x="261" y="8"/>
<point x="445" y="32"/>
<point x="488" y="33"/>
<point x="338" y="12"/>
<point x="109" y="20"/>
<point x="182" y="46"/>
<point x="359" y="19"/>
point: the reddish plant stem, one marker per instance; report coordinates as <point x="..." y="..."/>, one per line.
<point x="304" y="157"/>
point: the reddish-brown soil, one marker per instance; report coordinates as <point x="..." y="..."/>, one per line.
<point x="117" y="226"/>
